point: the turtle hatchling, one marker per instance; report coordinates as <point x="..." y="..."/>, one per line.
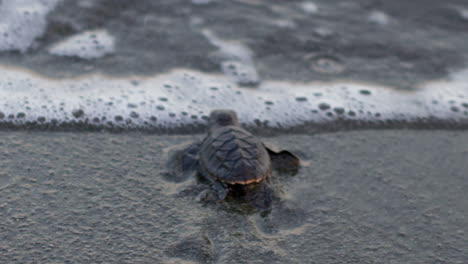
<point x="231" y="159"/>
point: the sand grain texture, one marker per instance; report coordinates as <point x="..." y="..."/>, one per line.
<point x="367" y="196"/>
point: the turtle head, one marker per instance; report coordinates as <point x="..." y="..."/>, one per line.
<point x="223" y="117"/>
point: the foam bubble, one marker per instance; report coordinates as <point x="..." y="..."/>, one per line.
<point x="22" y="21"/>
<point x="183" y="98"/>
<point x="87" y="45"/>
<point x="327" y="64"/>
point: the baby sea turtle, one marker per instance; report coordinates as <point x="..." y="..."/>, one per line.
<point x="231" y="159"/>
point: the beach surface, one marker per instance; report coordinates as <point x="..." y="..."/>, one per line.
<point x="387" y="196"/>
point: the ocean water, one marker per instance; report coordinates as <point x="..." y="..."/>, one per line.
<point x="72" y="65"/>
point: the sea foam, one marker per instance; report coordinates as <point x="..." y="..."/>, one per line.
<point x="22" y="21"/>
<point x="91" y="44"/>
<point x="183" y="98"/>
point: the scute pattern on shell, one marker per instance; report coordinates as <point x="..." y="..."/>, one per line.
<point x="233" y="155"/>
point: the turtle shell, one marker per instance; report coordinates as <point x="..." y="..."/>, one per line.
<point x="233" y="155"/>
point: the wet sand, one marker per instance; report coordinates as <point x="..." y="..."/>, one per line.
<point x="388" y="196"/>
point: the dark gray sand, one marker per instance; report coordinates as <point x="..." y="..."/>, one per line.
<point x="361" y="197"/>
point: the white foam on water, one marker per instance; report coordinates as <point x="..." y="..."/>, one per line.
<point x="309" y="7"/>
<point x="22" y="21"/>
<point x="459" y="76"/>
<point x="201" y="2"/>
<point x="86" y="3"/>
<point x="379" y="18"/>
<point x="463" y="13"/>
<point x="284" y="23"/>
<point x="91" y="44"/>
<point x="184" y="97"/>
<point x="236" y="60"/>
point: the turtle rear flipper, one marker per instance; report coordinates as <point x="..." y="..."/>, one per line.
<point x="260" y="196"/>
<point x="181" y="163"/>
<point x="284" y="161"/>
<point x="217" y="193"/>
<point x="189" y="158"/>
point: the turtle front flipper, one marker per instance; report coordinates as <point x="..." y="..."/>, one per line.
<point x="260" y="196"/>
<point x="284" y="161"/>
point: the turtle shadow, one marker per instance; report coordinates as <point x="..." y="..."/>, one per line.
<point x="239" y="199"/>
